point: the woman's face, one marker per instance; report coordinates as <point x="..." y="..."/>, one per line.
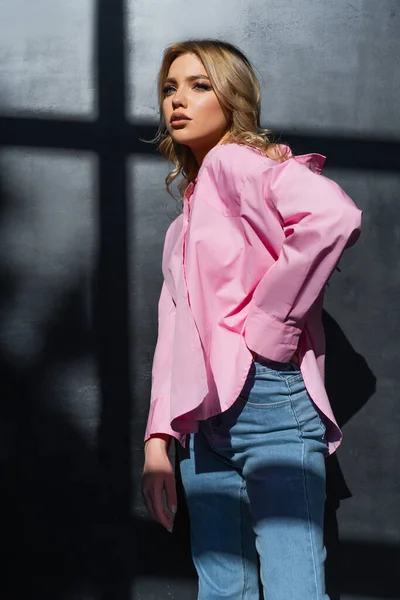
<point x="188" y="94"/>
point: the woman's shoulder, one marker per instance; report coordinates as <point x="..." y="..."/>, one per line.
<point x="227" y="166"/>
<point x="242" y="158"/>
<point x="236" y="162"/>
<point x="239" y="157"/>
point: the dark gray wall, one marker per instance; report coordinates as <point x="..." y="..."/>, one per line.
<point x="83" y="214"/>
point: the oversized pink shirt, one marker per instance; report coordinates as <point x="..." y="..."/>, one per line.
<point x="245" y="267"/>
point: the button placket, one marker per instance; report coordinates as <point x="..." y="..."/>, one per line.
<point x="186" y="217"/>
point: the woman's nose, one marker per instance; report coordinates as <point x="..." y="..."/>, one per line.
<point x="179" y="100"/>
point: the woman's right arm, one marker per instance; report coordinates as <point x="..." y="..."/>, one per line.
<point x="158" y="474"/>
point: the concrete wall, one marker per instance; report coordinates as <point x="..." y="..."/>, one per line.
<point x="83" y="214"/>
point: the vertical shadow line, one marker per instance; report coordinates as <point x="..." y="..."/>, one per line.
<point x="111" y="306"/>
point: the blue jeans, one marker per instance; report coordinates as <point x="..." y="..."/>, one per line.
<point x="254" y="479"/>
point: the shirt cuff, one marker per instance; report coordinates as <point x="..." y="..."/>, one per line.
<point x="270" y="338"/>
<point x="158" y="421"/>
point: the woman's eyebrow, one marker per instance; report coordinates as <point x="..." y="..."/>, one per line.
<point x="190" y="78"/>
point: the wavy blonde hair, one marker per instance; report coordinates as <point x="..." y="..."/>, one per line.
<point x="238" y="91"/>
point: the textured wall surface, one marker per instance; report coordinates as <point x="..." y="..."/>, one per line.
<point x="83" y="213"/>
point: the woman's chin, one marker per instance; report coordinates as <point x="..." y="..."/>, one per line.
<point x="181" y="137"/>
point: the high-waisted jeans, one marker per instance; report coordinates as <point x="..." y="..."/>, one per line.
<point x="254" y="479"/>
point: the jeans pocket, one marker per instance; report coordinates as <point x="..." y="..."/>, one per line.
<point x="307" y="414"/>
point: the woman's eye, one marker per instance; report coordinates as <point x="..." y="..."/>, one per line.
<point x="203" y="86"/>
<point x="167" y="90"/>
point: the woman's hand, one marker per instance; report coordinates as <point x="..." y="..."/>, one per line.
<point x="159" y="478"/>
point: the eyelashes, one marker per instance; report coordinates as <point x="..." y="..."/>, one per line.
<point x="203" y="86"/>
<point x="168" y="89"/>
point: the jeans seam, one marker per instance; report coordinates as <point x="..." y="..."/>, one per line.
<point x="242" y="537"/>
<point x="265" y="406"/>
<point x="305" y="487"/>
<point x="297" y="376"/>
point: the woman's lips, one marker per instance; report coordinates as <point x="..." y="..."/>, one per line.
<point x="179" y="122"/>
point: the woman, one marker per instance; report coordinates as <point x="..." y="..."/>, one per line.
<point x="238" y="367"/>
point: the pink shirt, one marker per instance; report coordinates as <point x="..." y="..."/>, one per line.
<point x="245" y="267"/>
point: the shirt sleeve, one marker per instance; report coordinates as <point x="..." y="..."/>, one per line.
<point x="158" y="420"/>
<point x="319" y="221"/>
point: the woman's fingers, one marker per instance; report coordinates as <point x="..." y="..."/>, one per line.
<point x="158" y="507"/>
<point x="159" y="482"/>
<point x="148" y="501"/>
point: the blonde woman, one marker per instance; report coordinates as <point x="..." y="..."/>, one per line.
<point x="238" y="371"/>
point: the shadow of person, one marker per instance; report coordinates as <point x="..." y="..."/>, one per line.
<point x="348" y="379"/>
<point x="349" y="383"/>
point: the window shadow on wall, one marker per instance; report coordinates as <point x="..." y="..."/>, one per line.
<point x="67" y="522"/>
<point x="61" y="532"/>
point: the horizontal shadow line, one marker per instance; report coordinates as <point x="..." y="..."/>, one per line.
<point x="342" y="151"/>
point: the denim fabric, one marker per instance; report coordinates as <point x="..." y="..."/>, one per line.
<point x="254" y="478"/>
